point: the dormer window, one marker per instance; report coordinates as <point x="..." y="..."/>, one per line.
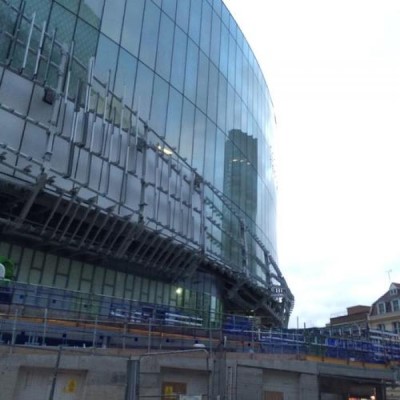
<point x="393" y="291"/>
<point x="381" y="308"/>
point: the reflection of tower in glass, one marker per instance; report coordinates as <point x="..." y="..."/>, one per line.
<point x="240" y="185"/>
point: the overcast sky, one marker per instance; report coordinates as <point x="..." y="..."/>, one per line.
<point x="333" y="69"/>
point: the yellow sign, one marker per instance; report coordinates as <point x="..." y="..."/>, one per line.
<point x="70" y="387"/>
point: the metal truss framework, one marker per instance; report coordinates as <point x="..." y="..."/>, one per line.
<point x="58" y="210"/>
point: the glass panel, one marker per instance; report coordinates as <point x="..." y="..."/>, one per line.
<point x="202" y="82"/>
<point x="72" y="5"/>
<point x="84" y="49"/>
<point x="215" y="39"/>
<point x="149" y="37"/>
<point x="239" y="38"/>
<point x="221" y="116"/>
<point x="174" y="118"/>
<point x="239" y="71"/>
<point x="165" y="44"/>
<point x="217" y="4"/>
<point x="91" y="11"/>
<point x="169" y="6"/>
<point x="64" y="21"/>
<point x="232" y="61"/>
<point x="194" y="20"/>
<point x="143" y="90"/>
<point x="106" y="59"/>
<point x="209" y="155"/>
<point x="220" y="156"/>
<point x="212" y="93"/>
<point x="98" y="279"/>
<point x="186" y="140"/>
<point x="159" y="105"/>
<point x="182" y="14"/>
<point x="252" y="99"/>
<point x="132" y="26"/>
<point x="191" y="71"/>
<point x="199" y="141"/>
<point x="205" y="28"/>
<point x="41" y="8"/>
<point x="126" y="72"/>
<point x="225" y="15"/>
<point x="230" y="104"/>
<point x="232" y="27"/>
<point x="223" y="59"/>
<point x="178" y="60"/>
<point x="112" y="17"/>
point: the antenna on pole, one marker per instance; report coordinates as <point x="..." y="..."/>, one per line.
<point x="388" y="273"/>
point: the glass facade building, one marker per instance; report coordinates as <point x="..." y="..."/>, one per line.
<point x="137" y="155"/>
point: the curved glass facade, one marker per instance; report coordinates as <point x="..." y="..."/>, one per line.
<point x="177" y="76"/>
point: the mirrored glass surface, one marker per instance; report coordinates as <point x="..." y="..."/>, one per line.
<point x="148" y="45"/>
<point x="132" y="26"/>
<point x="91" y="11"/>
<point x="112" y="17"/>
<point x="165" y="46"/>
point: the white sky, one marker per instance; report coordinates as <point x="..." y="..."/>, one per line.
<point x="333" y="69"/>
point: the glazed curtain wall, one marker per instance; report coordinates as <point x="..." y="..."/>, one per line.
<point x="51" y="271"/>
<point x="186" y="67"/>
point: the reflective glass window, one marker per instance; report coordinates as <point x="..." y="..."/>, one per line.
<point x="209" y="154"/>
<point x="132" y="26"/>
<point x="42" y="9"/>
<point x="64" y="21"/>
<point x="191" y="70"/>
<point x="237" y="113"/>
<point x="84" y="49"/>
<point x="205" y="27"/>
<point x="245" y="112"/>
<point x="194" y="20"/>
<point x="219" y="159"/>
<point x="217" y="4"/>
<point x="186" y="139"/>
<point x="106" y="59"/>
<point x="178" y="59"/>
<point x="169" y="7"/>
<point x="174" y="118"/>
<point x="222" y="103"/>
<point x="233" y="27"/>
<point x="230" y="104"/>
<point x="245" y="82"/>
<point x="215" y="39"/>
<point x="224" y="50"/>
<point x="239" y="71"/>
<point x="202" y="82"/>
<point x="71" y="5"/>
<point x="232" y="61"/>
<point x="112" y="17"/>
<point x="199" y="141"/>
<point x="252" y="99"/>
<point x="239" y="38"/>
<point x="148" y="45"/>
<point x="125" y="77"/>
<point x="91" y="11"/>
<point x="143" y="91"/>
<point x="212" y="93"/>
<point x="159" y="105"/>
<point x="225" y="15"/>
<point x="182" y="14"/>
<point x="165" y="45"/>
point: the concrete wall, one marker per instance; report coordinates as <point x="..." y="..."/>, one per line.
<point x="92" y="374"/>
